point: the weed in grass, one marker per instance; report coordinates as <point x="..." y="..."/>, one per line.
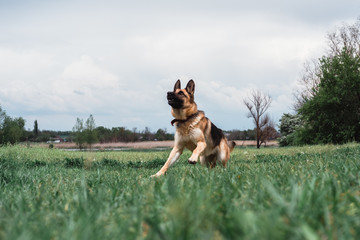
<point x="74" y="162"/>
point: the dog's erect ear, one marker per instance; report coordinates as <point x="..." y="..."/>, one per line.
<point x="177" y="85"/>
<point x="190" y="87"/>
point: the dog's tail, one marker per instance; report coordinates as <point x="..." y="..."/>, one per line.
<point x="231" y="145"/>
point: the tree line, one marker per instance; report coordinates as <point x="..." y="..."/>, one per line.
<point x="12" y="130"/>
<point x="86" y="133"/>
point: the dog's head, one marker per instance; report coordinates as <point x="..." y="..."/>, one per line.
<point x="181" y="98"/>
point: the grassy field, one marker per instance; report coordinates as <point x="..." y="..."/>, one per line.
<point x="273" y="193"/>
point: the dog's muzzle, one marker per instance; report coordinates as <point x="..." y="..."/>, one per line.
<point x="173" y="100"/>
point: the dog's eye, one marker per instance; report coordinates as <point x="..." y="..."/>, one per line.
<point x="181" y="93"/>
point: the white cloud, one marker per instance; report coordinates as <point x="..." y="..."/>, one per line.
<point x="83" y="85"/>
<point x="23" y="63"/>
<point x="22" y="76"/>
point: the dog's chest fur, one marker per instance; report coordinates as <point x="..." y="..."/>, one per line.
<point x="191" y="126"/>
<point x="189" y="133"/>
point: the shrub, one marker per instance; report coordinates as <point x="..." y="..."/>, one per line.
<point x="74" y="162"/>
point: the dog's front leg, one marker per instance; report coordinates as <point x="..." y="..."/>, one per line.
<point x="173" y="157"/>
<point x="200" y="147"/>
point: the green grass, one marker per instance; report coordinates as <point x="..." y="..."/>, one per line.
<point x="272" y="193"/>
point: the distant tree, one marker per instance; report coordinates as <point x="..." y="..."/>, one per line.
<point x="268" y="132"/>
<point x="104" y="134"/>
<point x="147" y="134"/>
<point x="249" y="134"/>
<point x="117" y="134"/>
<point x="162" y="135"/>
<point x="36" y="128"/>
<point x="13" y="130"/>
<point x="135" y="135"/>
<point x="234" y="135"/>
<point x="78" y="131"/>
<point x="90" y="131"/>
<point x="121" y="134"/>
<point x="45" y="136"/>
<point x="257" y="104"/>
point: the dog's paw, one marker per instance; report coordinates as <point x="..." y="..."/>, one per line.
<point x="158" y="174"/>
<point x="192" y="161"/>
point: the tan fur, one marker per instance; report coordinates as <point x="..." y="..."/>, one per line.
<point x="193" y="131"/>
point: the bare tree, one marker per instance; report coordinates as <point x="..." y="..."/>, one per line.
<point x="346" y="37"/>
<point x="257" y="104"/>
<point x="308" y="84"/>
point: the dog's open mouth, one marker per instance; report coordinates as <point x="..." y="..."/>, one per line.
<point x="171" y="101"/>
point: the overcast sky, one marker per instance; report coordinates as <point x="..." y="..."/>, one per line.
<point x="60" y="60"/>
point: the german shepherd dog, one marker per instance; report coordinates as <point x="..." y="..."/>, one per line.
<point x="194" y="131"/>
